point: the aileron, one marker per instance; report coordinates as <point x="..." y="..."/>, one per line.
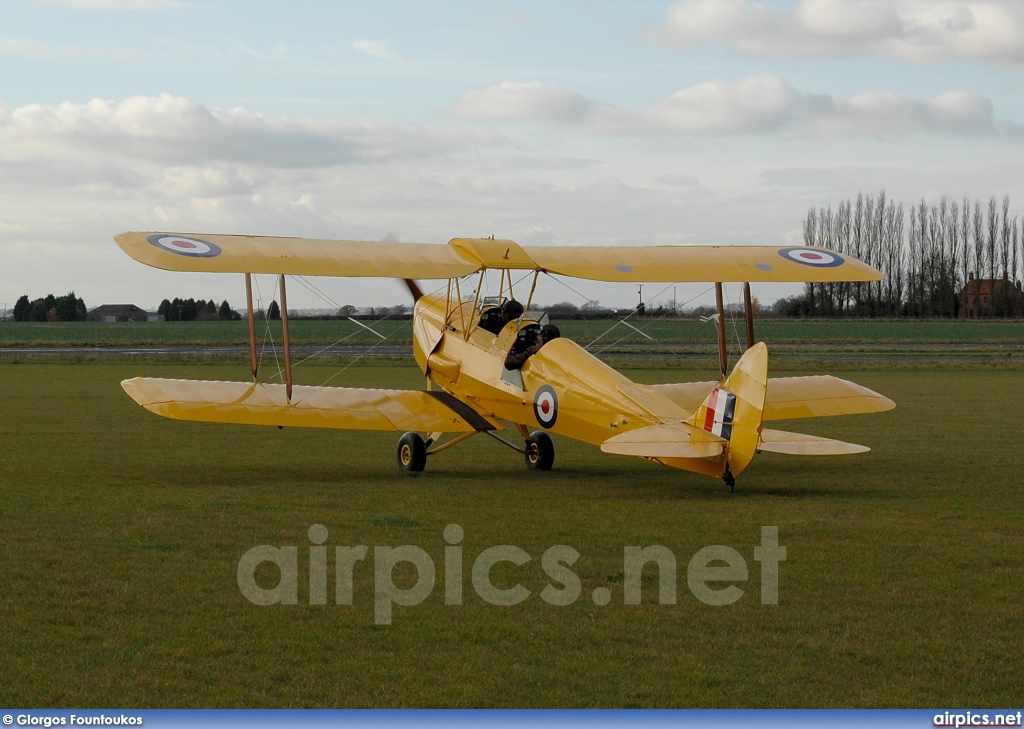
<point x="311" y="407"/>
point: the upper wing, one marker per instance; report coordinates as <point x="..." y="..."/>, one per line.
<point x="294" y="256"/>
<point x="311" y="407"/>
<point x="788" y="398"/>
<point x="308" y="257"/>
<point x="701" y="263"/>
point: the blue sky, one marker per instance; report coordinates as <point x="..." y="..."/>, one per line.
<point x="549" y="123"/>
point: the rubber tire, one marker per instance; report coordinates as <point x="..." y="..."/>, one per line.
<point x="412" y="453"/>
<point x="540" y="451"/>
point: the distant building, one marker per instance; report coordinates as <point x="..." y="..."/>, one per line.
<point x="981" y="298"/>
<point x="122" y="312"/>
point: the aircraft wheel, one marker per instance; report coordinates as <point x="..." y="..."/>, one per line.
<point x="412" y="453"/>
<point x="540" y="451"/>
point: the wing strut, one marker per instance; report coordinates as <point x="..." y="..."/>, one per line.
<point x="533" y="287"/>
<point x="287" y="342"/>
<point x="723" y="355"/>
<point x="749" y="311"/>
<point x="253" y="362"/>
<point x="476" y="298"/>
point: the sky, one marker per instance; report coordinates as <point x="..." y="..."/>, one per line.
<point x="568" y="123"/>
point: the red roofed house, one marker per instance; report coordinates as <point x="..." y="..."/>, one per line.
<point x="987" y="297"/>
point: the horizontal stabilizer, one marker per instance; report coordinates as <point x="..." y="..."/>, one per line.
<point x="789" y="398"/>
<point x="819" y="396"/>
<point x="688" y="395"/>
<point x="310" y="407"/>
<point x="671" y="440"/>
<point x="654" y="402"/>
<point x="798" y="444"/>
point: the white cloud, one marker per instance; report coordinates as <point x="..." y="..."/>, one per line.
<point x="763" y="104"/>
<point x="917" y="31"/>
<point x="529" y="102"/>
<point x="179" y="132"/>
<point x="881" y="115"/>
<point x="753" y="104"/>
<point x="377" y="49"/>
<point x="74" y="175"/>
<point x="854" y="20"/>
<point x="207" y="181"/>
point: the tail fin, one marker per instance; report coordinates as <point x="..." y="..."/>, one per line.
<point x="734" y="409"/>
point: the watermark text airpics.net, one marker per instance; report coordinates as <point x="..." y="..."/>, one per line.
<point x="709" y="574"/>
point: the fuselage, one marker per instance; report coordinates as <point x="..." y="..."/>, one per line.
<point x="562" y="388"/>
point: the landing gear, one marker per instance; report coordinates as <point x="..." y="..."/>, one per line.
<point x="540" y="451"/>
<point x="730" y="480"/>
<point x="412" y="453"/>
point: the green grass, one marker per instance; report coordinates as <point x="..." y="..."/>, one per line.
<point x="191" y="333"/>
<point x="101" y="334"/>
<point x="120" y="535"/>
<point x="807" y="331"/>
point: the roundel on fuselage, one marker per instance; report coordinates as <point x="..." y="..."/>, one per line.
<point x="545" y="406"/>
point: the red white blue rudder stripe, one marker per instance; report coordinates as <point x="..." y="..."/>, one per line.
<point x="721" y="408"/>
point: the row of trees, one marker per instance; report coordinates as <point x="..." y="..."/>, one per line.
<point x="50" y="308"/>
<point x="192" y="310"/>
<point x="589" y="310"/>
<point x="927" y="259"/>
<point x="399" y="311"/>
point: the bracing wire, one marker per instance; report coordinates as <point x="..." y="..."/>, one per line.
<point x="620" y="321"/>
<point x="356" y="359"/>
<point x="733" y="319"/>
<point x="652" y="321"/>
<point x="267" y="333"/>
<point x="385" y="338"/>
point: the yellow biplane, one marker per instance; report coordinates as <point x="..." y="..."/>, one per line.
<point x="490" y="361"/>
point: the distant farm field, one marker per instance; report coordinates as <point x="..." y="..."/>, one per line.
<point x="121" y="535"/>
<point x="313" y="332"/>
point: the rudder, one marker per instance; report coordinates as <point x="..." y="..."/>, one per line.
<point x="734" y="409"/>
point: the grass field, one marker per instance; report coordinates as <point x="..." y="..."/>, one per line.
<point x="101" y="334"/>
<point x="120" y="536"/>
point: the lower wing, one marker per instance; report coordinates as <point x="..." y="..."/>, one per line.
<point x="310" y="407"/>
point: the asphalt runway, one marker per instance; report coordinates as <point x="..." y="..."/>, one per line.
<point x="298" y="352"/>
<point x="839" y="351"/>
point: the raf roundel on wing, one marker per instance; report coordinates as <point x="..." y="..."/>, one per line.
<point x="192" y="247"/>
<point x="811" y="257"/>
